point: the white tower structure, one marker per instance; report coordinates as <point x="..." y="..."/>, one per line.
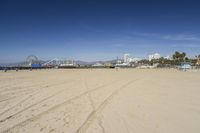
<point x="126" y="58"/>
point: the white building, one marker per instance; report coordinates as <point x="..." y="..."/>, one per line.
<point x="126" y="58"/>
<point x="129" y="59"/>
<point x="66" y="62"/>
<point x="97" y="65"/>
<point x="154" y="56"/>
<point x="134" y="60"/>
<point x="119" y="61"/>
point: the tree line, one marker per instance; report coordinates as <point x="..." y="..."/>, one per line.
<point x="176" y="59"/>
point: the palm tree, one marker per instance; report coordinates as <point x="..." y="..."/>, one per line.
<point x="178" y="57"/>
<point x="175" y="55"/>
<point x="183" y="55"/>
<point x="197" y="57"/>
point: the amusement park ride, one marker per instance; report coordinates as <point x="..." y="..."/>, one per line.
<point x="33" y="62"/>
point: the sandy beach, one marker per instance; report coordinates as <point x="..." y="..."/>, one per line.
<point x="100" y="101"/>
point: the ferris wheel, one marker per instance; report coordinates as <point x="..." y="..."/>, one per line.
<point x="31" y="59"/>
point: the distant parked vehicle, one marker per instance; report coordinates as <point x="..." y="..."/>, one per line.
<point x="185" y="66"/>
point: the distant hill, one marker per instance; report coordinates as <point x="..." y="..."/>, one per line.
<point x="93" y="62"/>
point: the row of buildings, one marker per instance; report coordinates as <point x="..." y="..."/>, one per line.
<point x="157" y="56"/>
<point x="33" y="61"/>
<point x="128" y="60"/>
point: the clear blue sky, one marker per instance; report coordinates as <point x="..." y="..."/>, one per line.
<point x="97" y="29"/>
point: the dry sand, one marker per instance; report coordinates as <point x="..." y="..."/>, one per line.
<point x="100" y="101"/>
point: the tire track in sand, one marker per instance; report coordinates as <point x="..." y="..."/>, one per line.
<point x="36" y="91"/>
<point x="32" y="105"/>
<point x="27" y="121"/>
<point x="93" y="115"/>
<point x="3" y="100"/>
<point x="28" y="89"/>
